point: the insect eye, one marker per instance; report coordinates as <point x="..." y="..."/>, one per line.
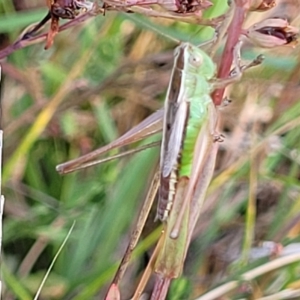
<point x="196" y="60"/>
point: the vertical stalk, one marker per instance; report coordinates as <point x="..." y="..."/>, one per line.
<point x="234" y="31"/>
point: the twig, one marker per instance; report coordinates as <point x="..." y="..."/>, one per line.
<point x="21" y="43"/>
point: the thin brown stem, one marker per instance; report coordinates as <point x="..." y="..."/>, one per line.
<point x="149" y="269"/>
<point x="22" y="43"/>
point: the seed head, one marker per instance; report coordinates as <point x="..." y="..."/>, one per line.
<point x="272" y="32"/>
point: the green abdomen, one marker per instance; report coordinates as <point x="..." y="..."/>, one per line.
<point x="197" y="117"/>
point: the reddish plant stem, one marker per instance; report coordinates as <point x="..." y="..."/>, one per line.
<point x="234" y="32"/>
<point x="161" y="288"/>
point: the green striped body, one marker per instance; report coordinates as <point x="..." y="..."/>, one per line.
<point x="187" y="108"/>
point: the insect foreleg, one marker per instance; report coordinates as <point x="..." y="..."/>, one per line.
<point x="257" y="61"/>
<point x="236" y="74"/>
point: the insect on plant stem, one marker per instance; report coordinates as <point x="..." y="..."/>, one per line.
<point x="189" y="113"/>
<point x="188" y="154"/>
<point x="188" y="139"/>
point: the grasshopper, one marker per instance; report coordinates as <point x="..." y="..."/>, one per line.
<point x="187" y="145"/>
<point x="188" y="154"/>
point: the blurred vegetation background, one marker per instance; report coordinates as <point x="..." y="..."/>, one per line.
<point x="97" y="81"/>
